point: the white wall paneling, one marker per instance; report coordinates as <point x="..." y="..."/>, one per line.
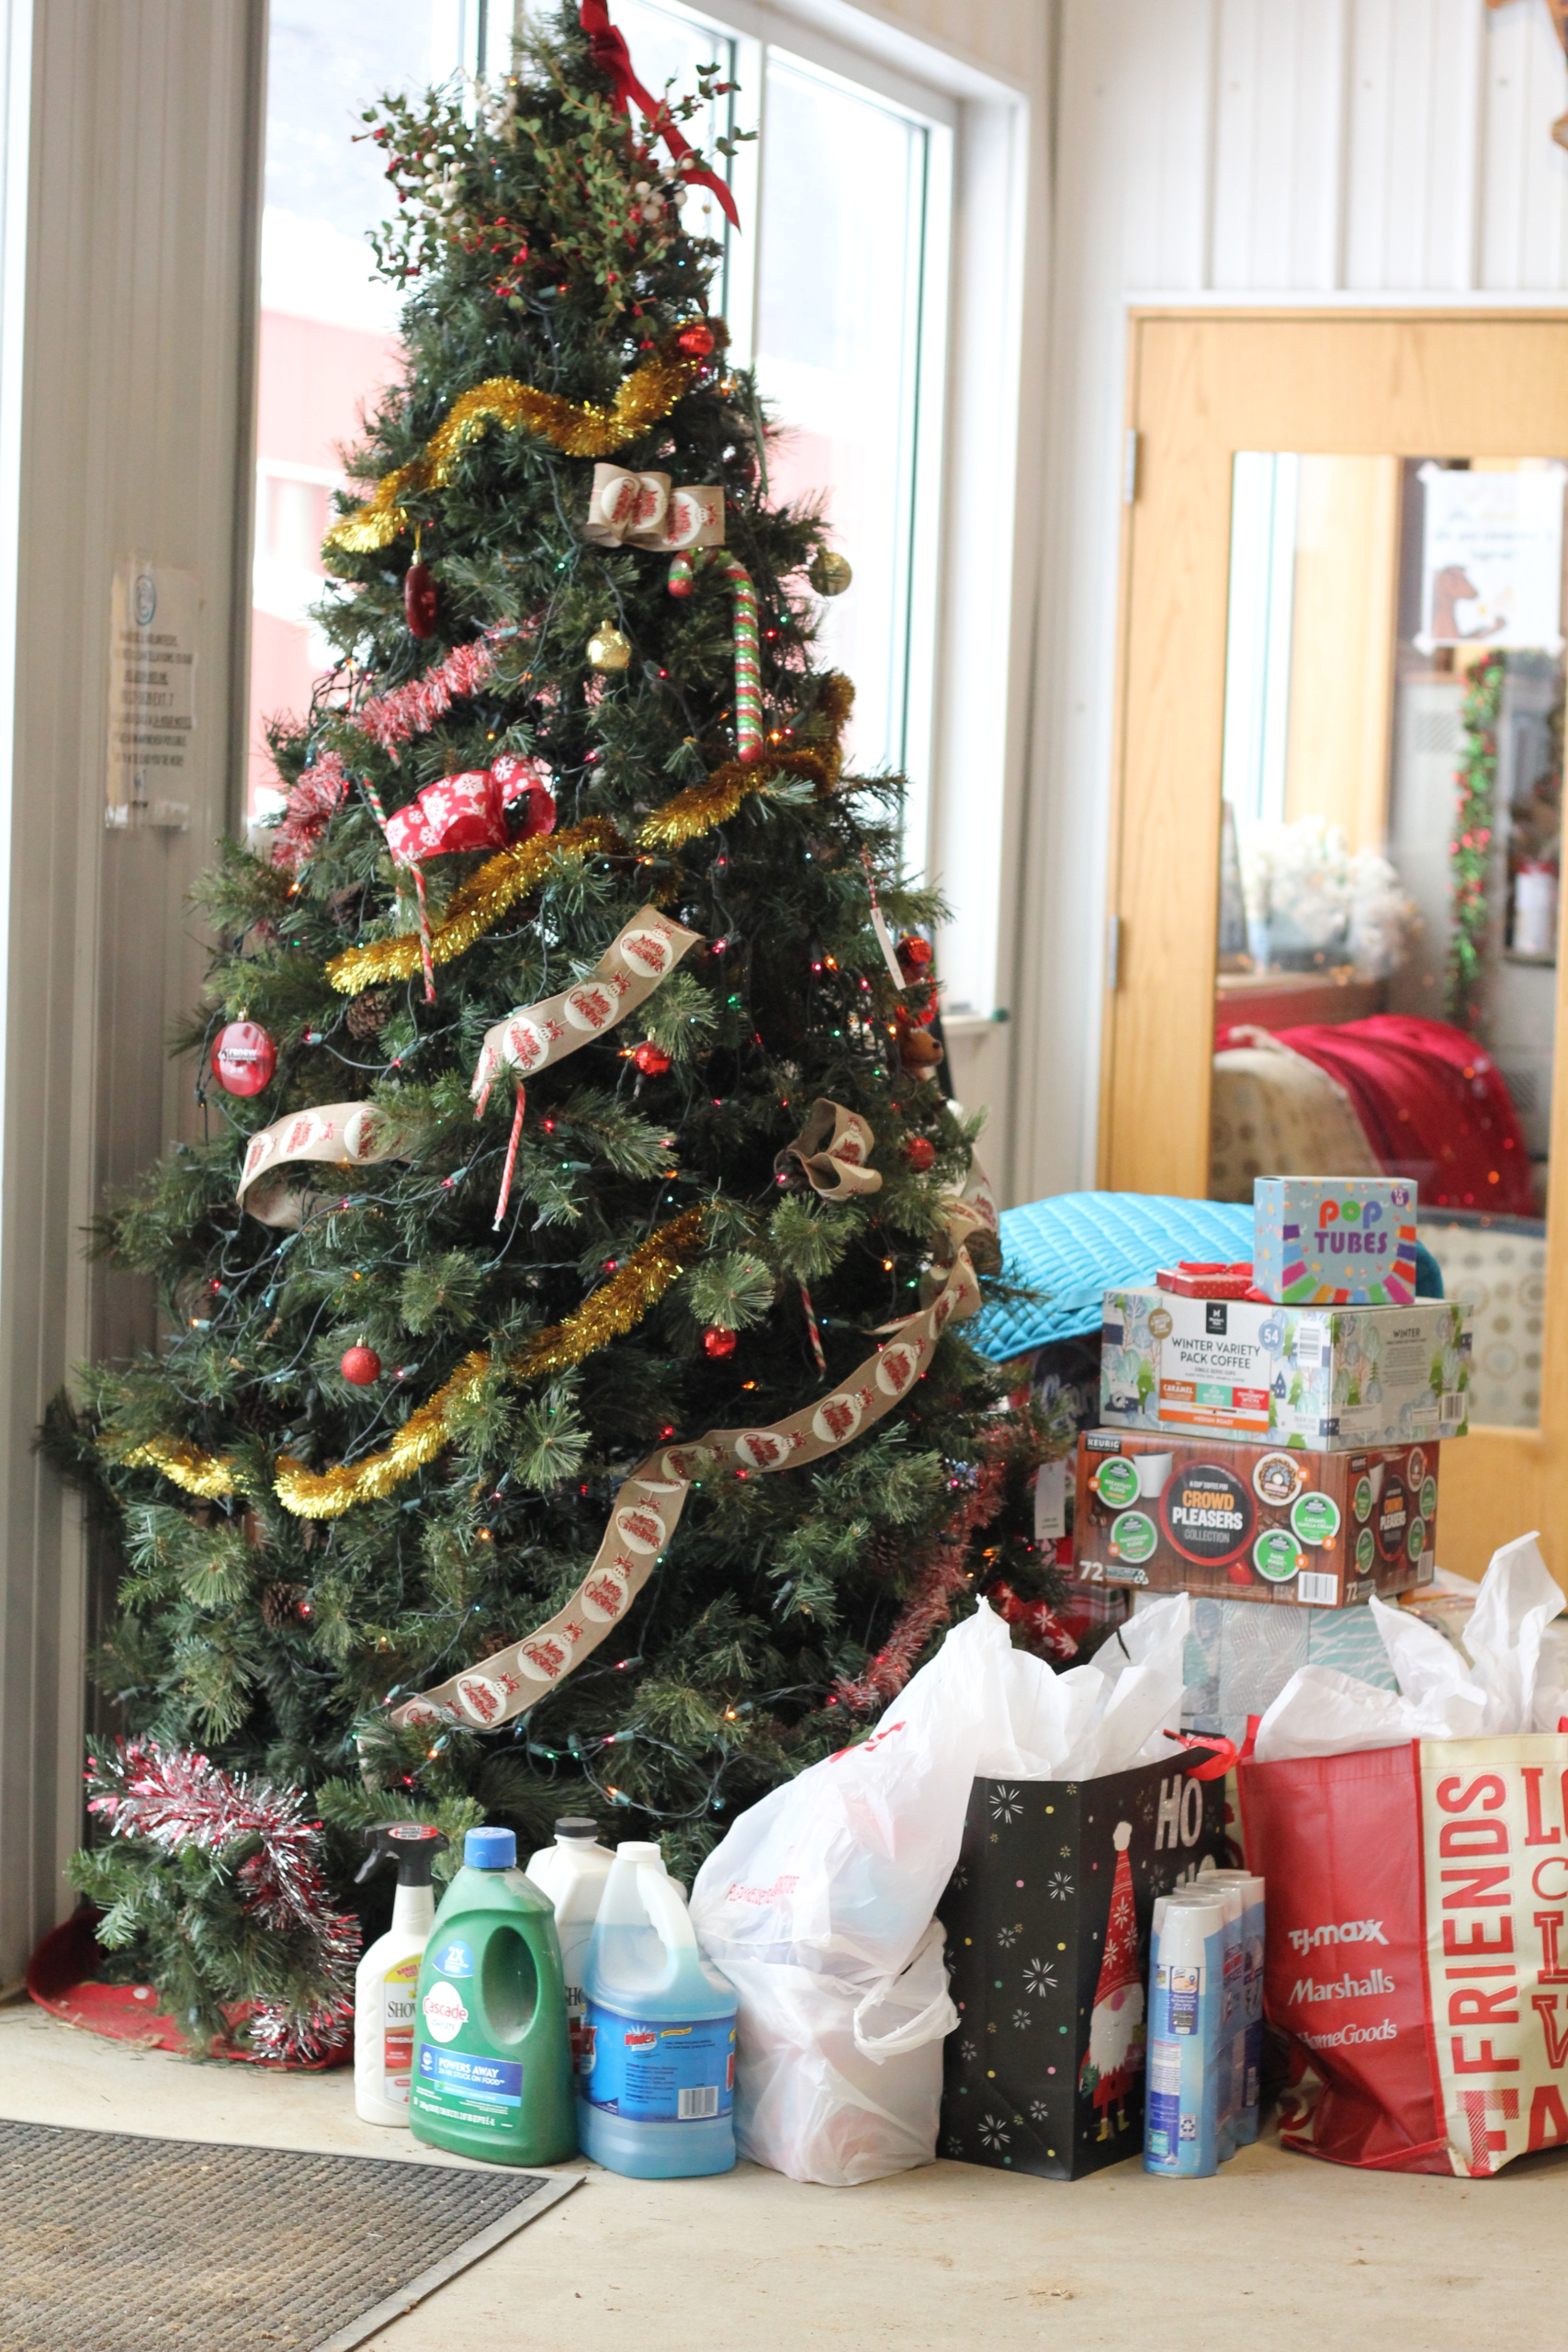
<point x="1358" y="151"/>
<point x="127" y="298"/>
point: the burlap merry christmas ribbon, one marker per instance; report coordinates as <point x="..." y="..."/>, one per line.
<point x="644" y="951"/>
<point x="648" y="1503"/>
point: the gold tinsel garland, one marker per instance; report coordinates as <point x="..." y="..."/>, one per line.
<point x="475" y="908"/>
<point x="578" y="430"/>
<point x="513" y="873"/>
<point x="208" y="1474"/>
<point x="615" y="1308"/>
<point x="714" y="801"/>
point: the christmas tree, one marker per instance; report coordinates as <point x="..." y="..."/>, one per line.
<point x="564" y="1403"/>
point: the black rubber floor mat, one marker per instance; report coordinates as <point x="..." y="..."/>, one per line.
<point x="109" y="2242"/>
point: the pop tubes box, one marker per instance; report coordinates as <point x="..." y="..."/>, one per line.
<point x="1324" y="1378"/>
<point x="1254" y="1522"/>
<point x="1334" y="1240"/>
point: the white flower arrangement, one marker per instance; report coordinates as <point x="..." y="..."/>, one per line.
<point x="1312" y="899"/>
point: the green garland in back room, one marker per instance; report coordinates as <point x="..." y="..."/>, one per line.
<point x="1470" y="847"/>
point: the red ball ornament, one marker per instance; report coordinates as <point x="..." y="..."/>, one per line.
<point x="651" y="1059"/>
<point x="920" y="1153"/>
<point x="419" y="599"/>
<point x="362" y="1366"/>
<point x="697" y="341"/>
<point x="914" y="950"/>
<point x="243" y="1059"/>
<point x="719" y="1342"/>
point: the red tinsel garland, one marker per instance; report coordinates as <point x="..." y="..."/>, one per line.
<point x="392" y="718"/>
<point x="939" y="1577"/>
<point x="176" y="1799"/>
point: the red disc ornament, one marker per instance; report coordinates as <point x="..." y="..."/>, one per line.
<point x="719" y="1342"/>
<point x="419" y="599"/>
<point x="920" y="1153"/>
<point x="651" y="1059"/>
<point x="244" y="1058"/>
<point x="697" y="341"/>
<point x="361" y="1367"/>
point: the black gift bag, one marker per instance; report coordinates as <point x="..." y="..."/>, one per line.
<point x="1047" y="1917"/>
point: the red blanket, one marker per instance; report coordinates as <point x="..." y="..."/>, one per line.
<point x="1433" y="1105"/>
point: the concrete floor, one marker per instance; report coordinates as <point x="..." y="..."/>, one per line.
<point x="1276" y="2249"/>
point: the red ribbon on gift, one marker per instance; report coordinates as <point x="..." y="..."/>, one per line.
<point x="607" y="46"/>
<point x="1224" y="1753"/>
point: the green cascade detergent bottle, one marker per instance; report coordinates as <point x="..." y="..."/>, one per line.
<point x="491" y="2055"/>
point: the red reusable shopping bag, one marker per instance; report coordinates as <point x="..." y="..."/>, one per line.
<point x="1417" y="1949"/>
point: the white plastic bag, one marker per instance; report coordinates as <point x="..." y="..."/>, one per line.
<point x="836" y="2085"/>
<point x="819" y="1904"/>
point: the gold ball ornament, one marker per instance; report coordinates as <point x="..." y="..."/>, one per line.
<point x="608" y="649"/>
<point x="830" y="573"/>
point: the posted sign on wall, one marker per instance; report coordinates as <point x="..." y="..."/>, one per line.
<point x="152" y="714"/>
<point x="1493" y="563"/>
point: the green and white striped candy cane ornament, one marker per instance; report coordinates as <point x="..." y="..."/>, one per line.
<point x="747" y="662"/>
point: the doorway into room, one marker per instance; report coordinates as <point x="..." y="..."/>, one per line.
<point x="1336" y="839"/>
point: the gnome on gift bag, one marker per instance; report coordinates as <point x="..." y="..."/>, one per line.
<point x="1114" y="2058"/>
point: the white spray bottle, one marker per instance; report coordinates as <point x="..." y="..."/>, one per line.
<point x="387" y="1980"/>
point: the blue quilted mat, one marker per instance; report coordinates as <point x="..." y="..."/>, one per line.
<point x="1073" y="1248"/>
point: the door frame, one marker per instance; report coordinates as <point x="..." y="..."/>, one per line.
<point x="1203" y="381"/>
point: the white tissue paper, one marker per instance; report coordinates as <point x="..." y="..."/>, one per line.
<point x="1515" y="1680"/>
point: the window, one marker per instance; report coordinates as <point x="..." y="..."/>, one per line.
<point x="836" y="289"/>
<point x="329" y="326"/>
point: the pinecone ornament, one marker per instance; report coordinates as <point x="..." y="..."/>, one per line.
<point x="367" y="1015"/>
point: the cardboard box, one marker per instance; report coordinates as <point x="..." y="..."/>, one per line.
<point x="1254" y="1522"/>
<point x="1334" y="1240"/>
<point x="1044" y="2071"/>
<point x="1325" y="1378"/>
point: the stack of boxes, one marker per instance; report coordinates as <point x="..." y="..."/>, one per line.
<point x="1275" y="1437"/>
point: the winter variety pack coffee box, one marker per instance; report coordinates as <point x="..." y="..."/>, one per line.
<point x="1334" y="1240"/>
<point x="1254" y="1522"/>
<point x="1047" y="1917"/>
<point x="1319" y="1377"/>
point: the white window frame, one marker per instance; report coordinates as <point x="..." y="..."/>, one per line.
<point x="964" y="716"/>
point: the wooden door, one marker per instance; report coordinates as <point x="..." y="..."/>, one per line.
<point x="1202" y="387"/>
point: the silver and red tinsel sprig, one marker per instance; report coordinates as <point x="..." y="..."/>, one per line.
<point x="938" y="1580"/>
<point x="941" y="1574"/>
<point x="388" y="721"/>
<point x="312" y="800"/>
<point x="177" y="1800"/>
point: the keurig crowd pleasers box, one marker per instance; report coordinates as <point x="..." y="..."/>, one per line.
<point x="1254" y="1522"/>
<point x="1320" y="1377"/>
<point x="1334" y="1240"/>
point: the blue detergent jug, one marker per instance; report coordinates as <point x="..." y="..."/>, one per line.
<point x="657" y="2089"/>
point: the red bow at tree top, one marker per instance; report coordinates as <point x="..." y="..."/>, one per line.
<point x="611" y="55"/>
